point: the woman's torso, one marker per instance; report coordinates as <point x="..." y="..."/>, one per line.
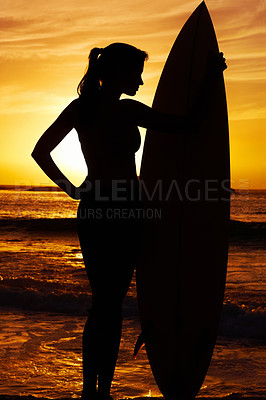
<point x="108" y="140"/>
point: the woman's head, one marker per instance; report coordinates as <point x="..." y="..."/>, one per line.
<point x="118" y="64"/>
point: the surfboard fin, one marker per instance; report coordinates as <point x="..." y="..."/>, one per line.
<point x="139" y="344"/>
<point x="146" y="332"/>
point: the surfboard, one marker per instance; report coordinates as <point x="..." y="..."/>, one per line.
<point x="185" y="178"/>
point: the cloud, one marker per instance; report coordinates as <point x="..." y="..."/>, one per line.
<point x="10" y="23"/>
<point x="74" y="26"/>
<point x="14" y="101"/>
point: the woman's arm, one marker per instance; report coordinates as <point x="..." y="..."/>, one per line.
<point x="141" y="115"/>
<point x="48" y="141"/>
<point x="144" y="116"/>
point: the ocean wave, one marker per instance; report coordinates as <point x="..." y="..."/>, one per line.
<point x="35" y="294"/>
<point x="238" y="229"/>
<point x="33" y="300"/>
<point x="240" y="322"/>
<point x="247" y="230"/>
<point x="40" y="224"/>
<point x="236" y="321"/>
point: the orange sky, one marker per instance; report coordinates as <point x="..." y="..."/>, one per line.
<point x="43" y="54"/>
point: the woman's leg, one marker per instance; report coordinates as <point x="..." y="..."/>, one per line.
<point x="89" y="354"/>
<point x="106" y="252"/>
<point x="109" y="335"/>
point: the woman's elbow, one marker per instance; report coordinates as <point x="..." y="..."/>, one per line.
<point x="39" y="154"/>
<point x="36" y="153"/>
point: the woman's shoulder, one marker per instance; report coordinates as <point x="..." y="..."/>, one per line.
<point x="74" y="104"/>
<point x="70" y="112"/>
<point x="127" y="103"/>
<point x="71" y="107"/>
<point x="131" y="106"/>
<point x="76" y="107"/>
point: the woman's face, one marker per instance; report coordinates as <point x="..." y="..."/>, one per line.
<point x="132" y="80"/>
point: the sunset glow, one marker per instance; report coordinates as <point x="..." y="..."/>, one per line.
<point x="43" y="54"/>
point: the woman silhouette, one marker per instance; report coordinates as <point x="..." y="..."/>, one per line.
<point x="107" y="128"/>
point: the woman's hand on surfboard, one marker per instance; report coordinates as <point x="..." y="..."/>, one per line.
<point x="220" y="62"/>
<point x="215" y="67"/>
<point x="217" y="64"/>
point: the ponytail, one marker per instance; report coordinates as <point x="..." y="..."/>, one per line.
<point x="105" y="63"/>
<point x="90" y="83"/>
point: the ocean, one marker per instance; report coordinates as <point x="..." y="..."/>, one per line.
<point x="45" y="297"/>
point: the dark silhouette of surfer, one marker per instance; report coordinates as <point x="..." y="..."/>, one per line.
<point x="110" y="241"/>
